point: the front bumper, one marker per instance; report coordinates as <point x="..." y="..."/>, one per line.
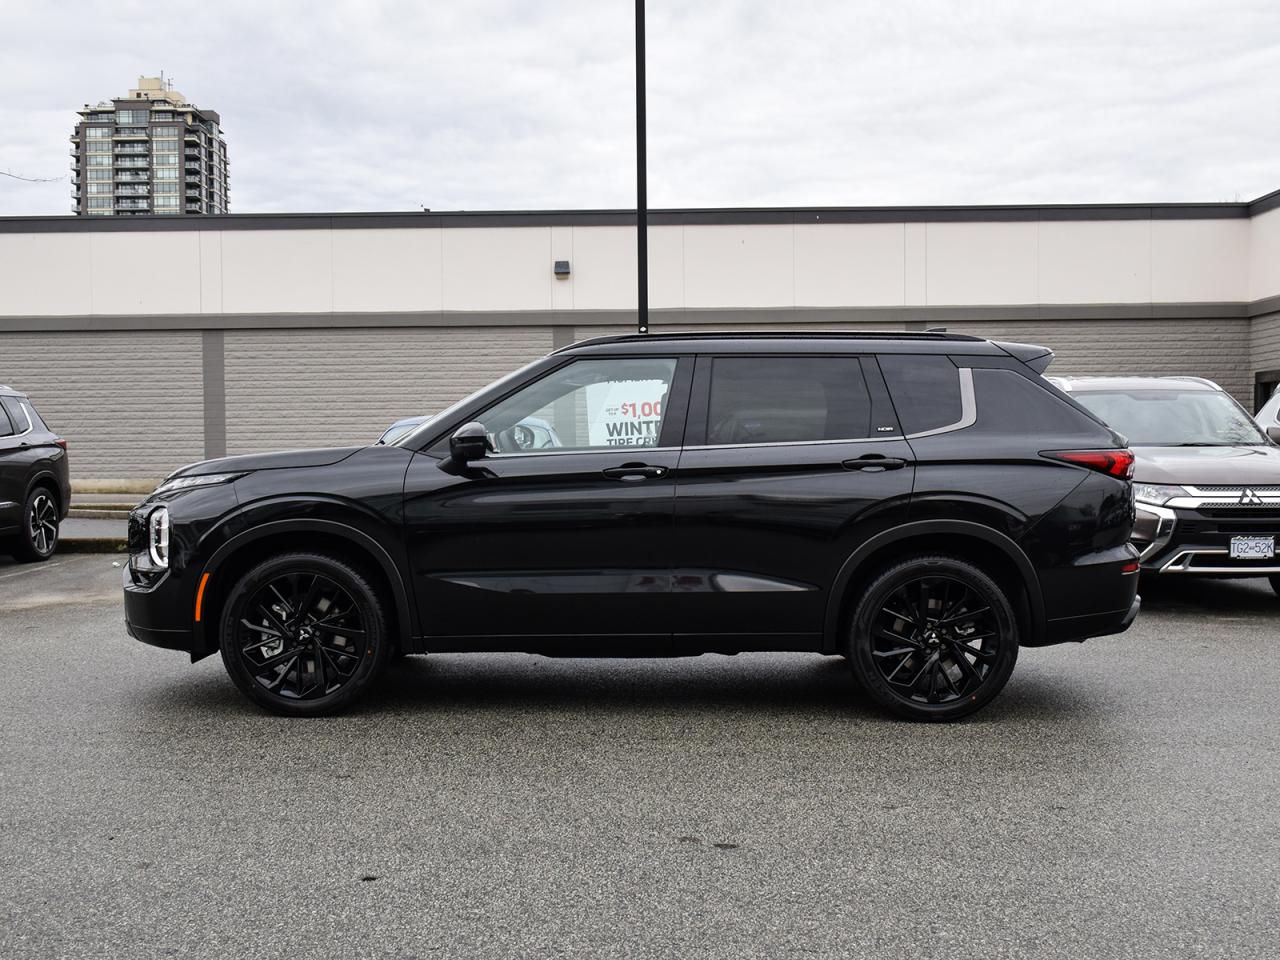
<point x="1174" y="540"/>
<point x="151" y="613"/>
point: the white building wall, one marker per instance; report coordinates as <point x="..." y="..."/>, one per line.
<point x="1264" y="255"/>
<point x="691" y="267"/>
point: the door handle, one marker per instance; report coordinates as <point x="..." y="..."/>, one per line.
<point x="875" y="462"/>
<point x="634" y="472"/>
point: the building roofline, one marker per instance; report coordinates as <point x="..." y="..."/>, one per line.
<point x="1009" y="213"/>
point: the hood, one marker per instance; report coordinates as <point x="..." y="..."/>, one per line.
<point x="323" y="457"/>
<point x="1202" y="466"/>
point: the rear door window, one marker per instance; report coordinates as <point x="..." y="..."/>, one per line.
<point x="787" y="400"/>
<point x="6" y="428"/>
<point x="17" y="414"/>
<point x="925" y="390"/>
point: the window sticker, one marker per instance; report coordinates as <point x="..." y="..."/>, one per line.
<point x="625" y="413"/>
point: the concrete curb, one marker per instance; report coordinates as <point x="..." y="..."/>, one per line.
<point x="114" y="486"/>
<point x="92" y="545"/>
<point x="97" y="513"/>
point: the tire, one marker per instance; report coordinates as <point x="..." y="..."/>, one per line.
<point x="319" y="609"/>
<point x="1275" y="583"/>
<point x="38" y="538"/>
<point x="933" y="667"/>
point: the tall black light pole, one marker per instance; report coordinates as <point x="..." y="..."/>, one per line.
<point x="642" y="198"/>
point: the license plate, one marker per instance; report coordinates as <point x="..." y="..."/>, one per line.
<point x="1253" y="548"/>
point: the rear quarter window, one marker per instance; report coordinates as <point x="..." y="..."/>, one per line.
<point x="1010" y="404"/>
<point x="925" y="390"/>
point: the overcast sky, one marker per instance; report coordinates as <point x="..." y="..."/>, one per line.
<point x="508" y="104"/>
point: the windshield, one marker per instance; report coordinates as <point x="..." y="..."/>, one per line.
<point x="1173" y="418"/>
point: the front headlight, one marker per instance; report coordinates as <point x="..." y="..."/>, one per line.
<point x="158" y="537"/>
<point x="149" y="556"/>
<point x="186" y="483"/>
<point x="1156" y="494"/>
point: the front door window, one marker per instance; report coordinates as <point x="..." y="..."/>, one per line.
<point x="586" y="405"/>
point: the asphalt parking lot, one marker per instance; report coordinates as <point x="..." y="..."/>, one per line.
<point x="1118" y="800"/>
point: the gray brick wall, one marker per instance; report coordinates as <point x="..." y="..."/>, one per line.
<point x="304" y="388"/>
<point x="131" y="404"/>
<point x="1265" y="342"/>
<point x="1217" y="349"/>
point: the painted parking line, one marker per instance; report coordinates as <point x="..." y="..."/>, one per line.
<point x="20" y="573"/>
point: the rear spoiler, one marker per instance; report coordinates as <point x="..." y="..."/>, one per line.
<point x="1036" y="357"/>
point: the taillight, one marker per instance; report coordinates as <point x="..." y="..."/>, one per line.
<point x="1114" y="463"/>
<point x="60" y="442"/>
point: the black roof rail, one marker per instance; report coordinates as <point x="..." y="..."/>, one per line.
<point x="779" y="335"/>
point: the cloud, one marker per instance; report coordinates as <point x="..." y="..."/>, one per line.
<point x="497" y="104"/>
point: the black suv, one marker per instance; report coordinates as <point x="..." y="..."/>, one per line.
<point x="35" y="485"/>
<point x="1206" y="477"/>
<point x="922" y="504"/>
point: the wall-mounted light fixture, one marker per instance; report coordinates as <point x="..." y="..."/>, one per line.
<point x="561" y="269"/>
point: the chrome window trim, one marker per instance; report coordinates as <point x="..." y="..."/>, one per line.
<point x="968" y="409"/>
<point x="790" y="443"/>
<point x="573" y="450"/>
<point x="968" y="417"/>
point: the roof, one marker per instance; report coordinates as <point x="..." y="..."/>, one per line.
<point x="1099" y="384"/>
<point x="802" y="341"/>
<point x="10" y="392"/>
<point x="1002" y="213"/>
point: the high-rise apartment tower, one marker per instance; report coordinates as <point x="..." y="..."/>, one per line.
<point x="149" y="152"/>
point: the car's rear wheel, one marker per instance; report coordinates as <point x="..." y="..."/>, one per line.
<point x="304" y="634"/>
<point x="1275" y="583"/>
<point x="933" y="638"/>
<point x="38" y="537"/>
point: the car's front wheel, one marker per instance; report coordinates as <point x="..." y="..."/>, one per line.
<point x="933" y="638"/>
<point x="304" y="634"/>
<point x="38" y="537"/>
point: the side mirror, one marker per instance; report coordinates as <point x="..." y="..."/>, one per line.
<point x="469" y="442"/>
<point x="1274" y="433"/>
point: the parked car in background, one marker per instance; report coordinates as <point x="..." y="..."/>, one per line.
<point x="1206" y="479"/>
<point x="1268" y="417"/>
<point x="35" y="483"/>
<point x="922" y="504"/>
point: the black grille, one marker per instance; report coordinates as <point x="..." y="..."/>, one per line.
<point x="1265" y="514"/>
<point x="1194" y="528"/>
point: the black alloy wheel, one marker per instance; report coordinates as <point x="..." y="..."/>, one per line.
<point x="303" y="634"/>
<point x="933" y="638"/>
<point x="39" y="536"/>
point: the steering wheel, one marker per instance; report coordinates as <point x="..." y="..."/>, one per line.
<point x="518" y="437"/>
<point x="522" y="437"/>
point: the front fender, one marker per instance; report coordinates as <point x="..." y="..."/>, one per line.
<point x="206" y="640"/>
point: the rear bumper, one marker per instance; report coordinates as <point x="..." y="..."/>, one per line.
<point x="1068" y="629"/>
<point x="1094" y="596"/>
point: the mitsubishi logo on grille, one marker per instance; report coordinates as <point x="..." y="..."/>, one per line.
<point x="1249" y="498"/>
